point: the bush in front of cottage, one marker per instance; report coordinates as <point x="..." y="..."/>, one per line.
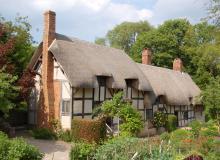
<point x="89" y="130"/>
<point x="12" y="149"/>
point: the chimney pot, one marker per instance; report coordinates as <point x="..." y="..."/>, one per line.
<point x="146" y="56"/>
<point x="177" y="64"/>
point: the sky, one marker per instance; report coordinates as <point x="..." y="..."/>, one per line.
<point x="89" y="19"/>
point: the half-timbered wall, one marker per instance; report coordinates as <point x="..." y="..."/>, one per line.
<point x="185" y="114"/>
<point x="136" y="97"/>
<point x="86" y="99"/>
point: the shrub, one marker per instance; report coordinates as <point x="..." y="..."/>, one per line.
<point x="19" y="149"/>
<point x="89" y="130"/>
<point x="165" y="136"/>
<point x="181" y="139"/>
<point x="117" y="107"/>
<point x="159" y="119"/>
<point x="4" y="145"/>
<point x="66" y="136"/>
<point x="124" y="148"/>
<point x="196" y="127"/>
<point x="171" y="123"/>
<point x="43" y="133"/>
<point x="118" y="148"/>
<point x="209" y="129"/>
<point x="82" y="151"/>
<point x="131" y="120"/>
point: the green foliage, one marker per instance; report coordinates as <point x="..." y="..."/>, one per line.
<point x="19" y="30"/>
<point x="43" y="133"/>
<point x="125" y="148"/>
<point x="116" y="148"/>
<point x="117" y="107"/>
<point x="100" y="41"/>
<point x="209" y="129"/>
<point x="195" y="128"/>
<point x="211" y="100"/>
<point x="165" y="136"/>
<point x="171" y="123"/>
<point x="166" y="42"/>
<point x="82" y="151"/>
<point x="89" y="130"/>
<point x="8" y="92"/>
<point x="66" y="136"/>
<point x="4" y="145"/>
<point x="159" y="119"/>
<point x="178" y="138"/>
<point x="124" y="35"/>
<point x="17" y="149"/>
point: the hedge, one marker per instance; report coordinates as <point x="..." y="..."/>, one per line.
<point x="89" y="130"/>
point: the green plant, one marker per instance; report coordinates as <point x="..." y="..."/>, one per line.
<point x="209" y="129"/>
<point x="4" y="144"/>
<point x="159" y="119"/>
<point x="181" y="139"/>
<point x="82" y="151"/>
<point x="165" y="136"/>
<point x="89" y="130"/>
<point x="17" y="149"/>
<point x="118" y="107"/>
<point x="195" y="128"/>
<point x="117" y="148"/>
<point x="20" y="150"/>
<point x="66" y="136"/>
<point x="171" y="123"/>
<point x="43" y="133"/>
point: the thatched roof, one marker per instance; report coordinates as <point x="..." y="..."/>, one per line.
<point x="82" y="62"/>
<point x="177" y="87"/>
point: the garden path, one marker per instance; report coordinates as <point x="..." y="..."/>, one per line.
<point x="53" y="150"/>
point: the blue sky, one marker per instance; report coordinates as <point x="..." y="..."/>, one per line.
<point x="88" y="19"/>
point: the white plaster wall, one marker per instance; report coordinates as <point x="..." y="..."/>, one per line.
<point x="58" y="73"/>
<point x="65" y="95"/>
<point x="66" y="90"/>
<point x="66" y="122"/>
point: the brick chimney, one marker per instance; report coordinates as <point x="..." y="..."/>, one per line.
<point x="47" y="98"/>
<point x="177" y="64"/>
<point x="146" y="56"/>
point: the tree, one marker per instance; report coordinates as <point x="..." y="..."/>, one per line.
<point x="100" y="41"/>
<point x="15" y="52"/>
<point x="211" y="99"/>
<point x="21" y="50"/>
<point x="8" y="92"/>
<point x="124" y="35"/>
<point x="166" y="42"/>
<point x="214" y="11"/>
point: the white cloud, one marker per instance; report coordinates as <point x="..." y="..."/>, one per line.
<point x="95" y="5"/>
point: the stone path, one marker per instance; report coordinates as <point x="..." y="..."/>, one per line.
<point x="53" y="150"/>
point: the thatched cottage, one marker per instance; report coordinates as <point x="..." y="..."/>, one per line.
<point x="74" y="76"/>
